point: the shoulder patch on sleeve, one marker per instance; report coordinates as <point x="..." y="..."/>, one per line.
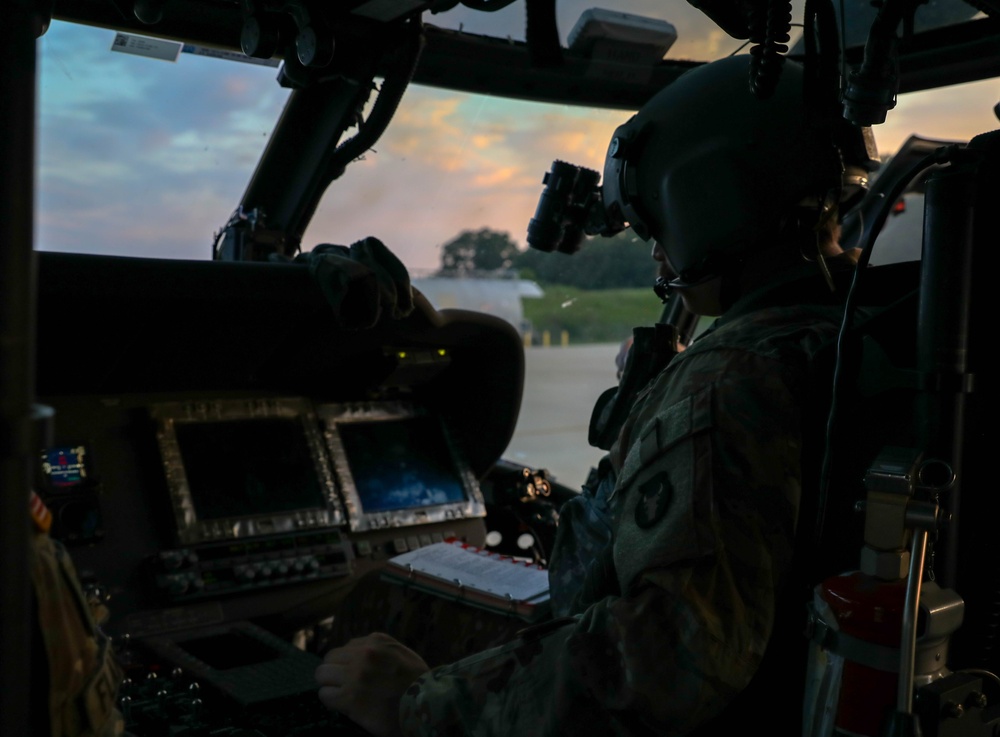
<point x="655" y="496"/>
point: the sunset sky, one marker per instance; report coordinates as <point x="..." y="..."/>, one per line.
<point x="146" y="157"/>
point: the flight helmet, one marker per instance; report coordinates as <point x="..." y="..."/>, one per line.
<point x="713" y="174"/>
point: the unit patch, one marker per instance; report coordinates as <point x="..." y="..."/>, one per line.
<point x="654" y="498"/>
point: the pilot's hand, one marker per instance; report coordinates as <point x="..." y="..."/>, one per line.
<point x="362" y="283"/>
<point x="366" y="678"/>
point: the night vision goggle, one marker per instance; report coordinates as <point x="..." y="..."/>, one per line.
<point x="571" y="206"/>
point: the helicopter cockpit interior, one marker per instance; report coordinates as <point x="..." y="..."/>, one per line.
<point x="228" y="442"/>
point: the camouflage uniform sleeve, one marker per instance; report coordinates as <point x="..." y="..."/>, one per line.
<point x="83" y="674"/>
<point x="583" y="540"/>
<point x="704" y="513"/>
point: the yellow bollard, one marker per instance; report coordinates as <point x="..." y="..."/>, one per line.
<point x="546" y="339"/>
<point x="564" y="338"/>
<point x="527" y="339"/>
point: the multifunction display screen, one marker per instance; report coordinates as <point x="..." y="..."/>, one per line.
<point x="401" y="464"/>
<point x="240" y="467"/>
<point x="65" y="467"/>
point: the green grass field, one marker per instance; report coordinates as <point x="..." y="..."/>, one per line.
<point x="597" y="316"/>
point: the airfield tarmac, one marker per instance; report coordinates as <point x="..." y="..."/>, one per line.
<point x="561" y="385"/>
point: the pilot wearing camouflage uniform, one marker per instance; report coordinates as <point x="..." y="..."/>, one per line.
<point x="670" y="569"/>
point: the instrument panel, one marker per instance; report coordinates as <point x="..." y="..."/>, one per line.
<point x="168" y="502"/>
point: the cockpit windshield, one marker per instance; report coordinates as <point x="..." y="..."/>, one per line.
<point x="145" y="146"/>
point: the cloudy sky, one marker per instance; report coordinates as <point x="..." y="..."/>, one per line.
<point x="147" y="157"/>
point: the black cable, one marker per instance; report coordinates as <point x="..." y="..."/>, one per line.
<point x="390" y="95"/>
<point x="769" y="29"/>
<point x="821" y="87"/>
<point x="810" y="60"/>
<point x="743" y="45"/>
<point x="939" y="156"/>
<point x="829" y="61"/>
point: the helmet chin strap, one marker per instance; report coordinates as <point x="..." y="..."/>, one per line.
<point x="820" y="260"/>
<point x="730" y="287"/>
<point x="662" y="289"/>
<point x="825" y="210"/>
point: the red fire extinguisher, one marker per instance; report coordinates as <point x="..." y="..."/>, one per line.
<point x="854" y="659"/>
<point x="852" y="682"/>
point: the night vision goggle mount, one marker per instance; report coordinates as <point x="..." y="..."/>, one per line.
<point x="570" y="207"/>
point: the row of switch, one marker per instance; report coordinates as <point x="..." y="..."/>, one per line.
<point x="368" y="549"/>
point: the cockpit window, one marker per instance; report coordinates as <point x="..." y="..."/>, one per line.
<point x="144" y="155"/>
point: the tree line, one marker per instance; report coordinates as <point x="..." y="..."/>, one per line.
<point x="617" y="262"/>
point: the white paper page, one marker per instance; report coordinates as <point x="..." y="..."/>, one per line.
<point x="476" y="570"/>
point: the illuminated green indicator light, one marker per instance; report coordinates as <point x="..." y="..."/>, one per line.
<point x="401" y="354"/>
<point x="442" y="352"/>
